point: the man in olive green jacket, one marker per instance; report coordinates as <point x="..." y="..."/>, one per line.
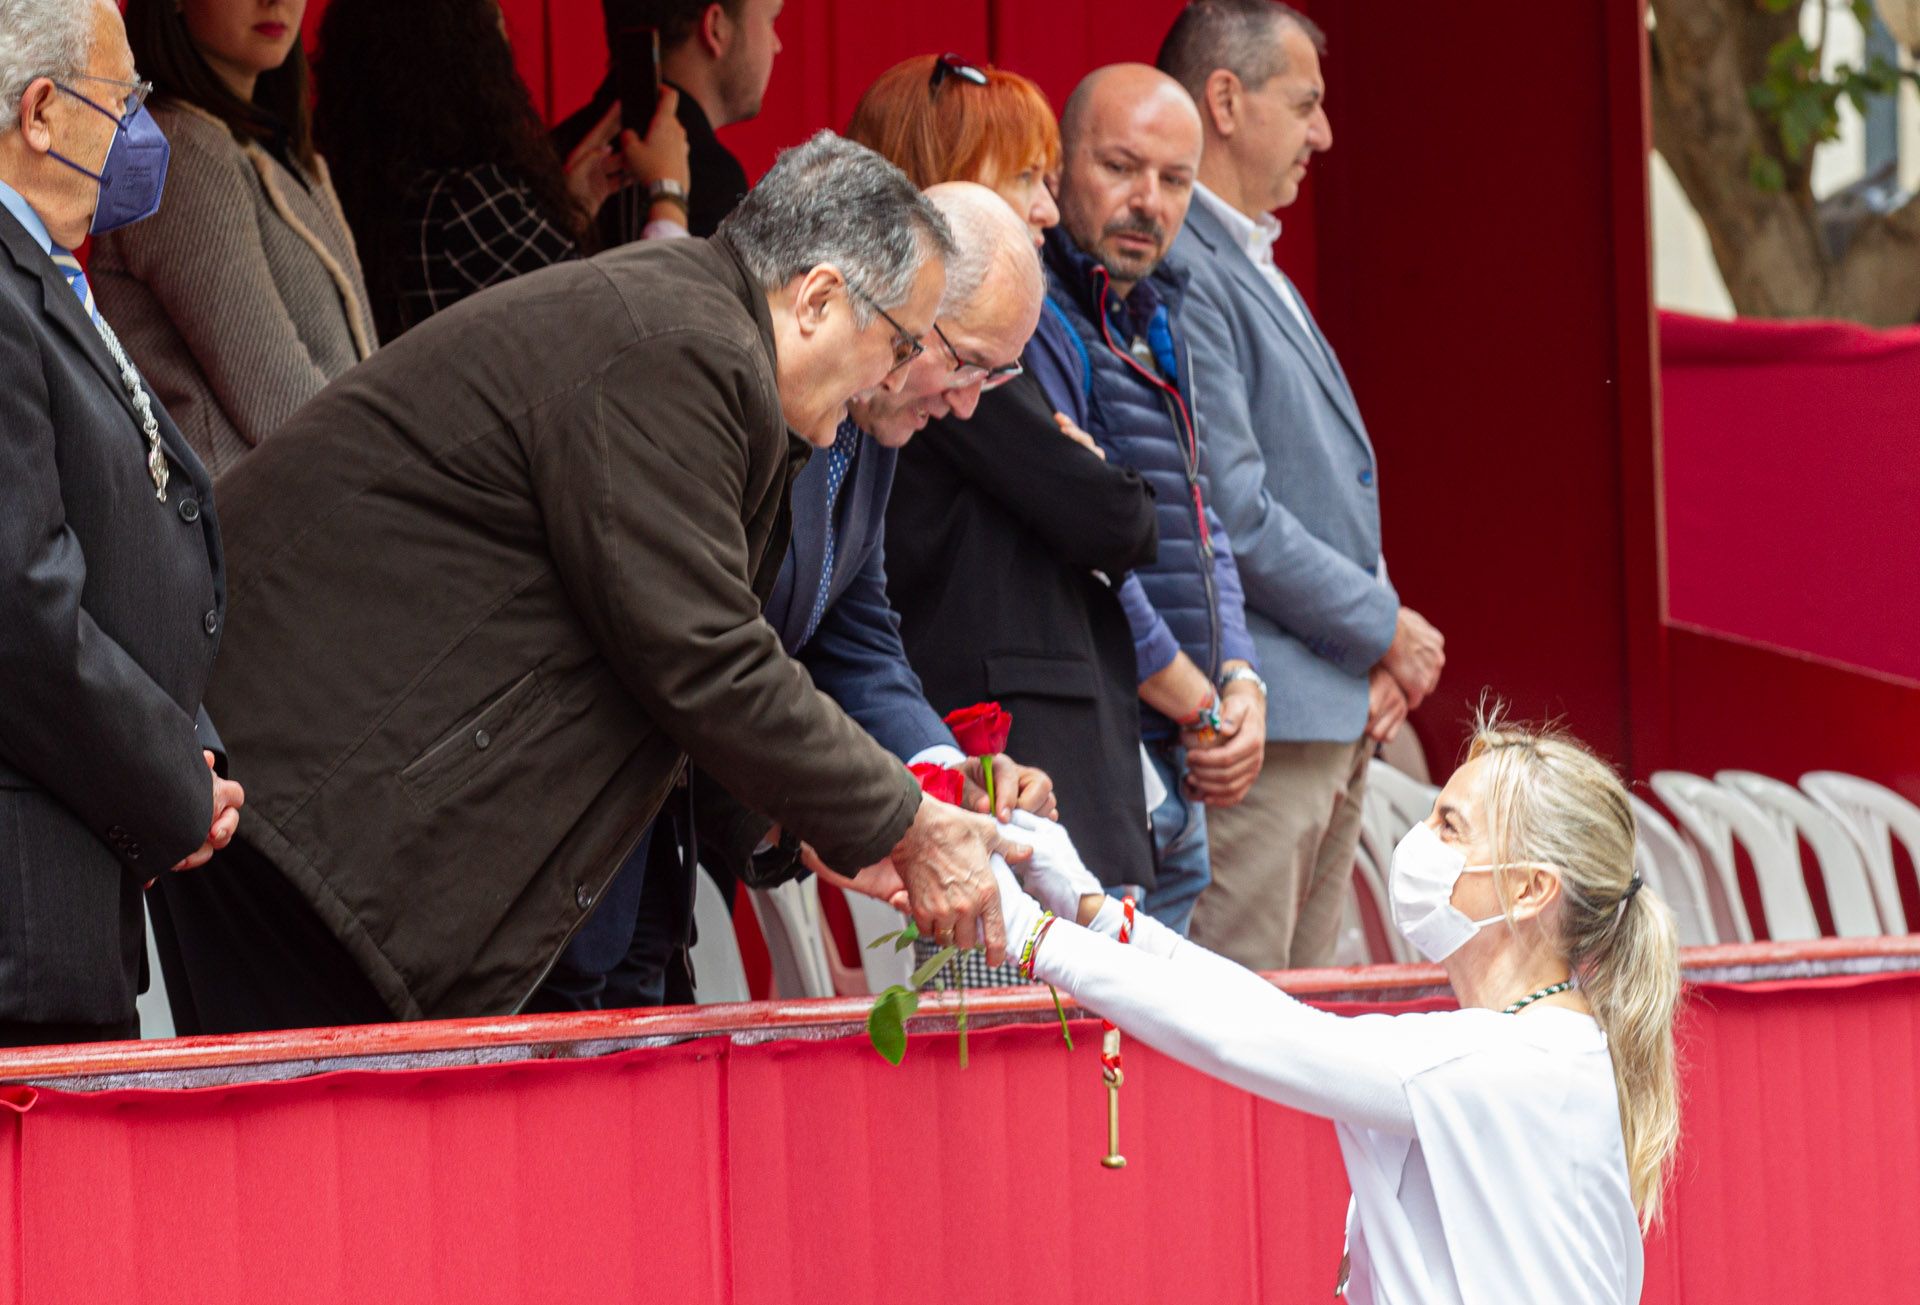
<point x="491" y="589"/>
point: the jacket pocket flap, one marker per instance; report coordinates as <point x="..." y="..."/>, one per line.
<point x="458" y="756"/>
<point x="1025" y="674"/>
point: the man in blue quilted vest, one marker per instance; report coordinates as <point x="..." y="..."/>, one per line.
<point x="1111" y="356"/>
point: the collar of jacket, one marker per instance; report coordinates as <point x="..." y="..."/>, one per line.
<point x="732" y="271"/>
<point x="1073" y="269"/>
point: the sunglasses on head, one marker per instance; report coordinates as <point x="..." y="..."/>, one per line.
<point x="952" y="65"/>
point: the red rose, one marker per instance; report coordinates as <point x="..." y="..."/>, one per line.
<point x="982" y="729"/>
<point x="939" y="782"/>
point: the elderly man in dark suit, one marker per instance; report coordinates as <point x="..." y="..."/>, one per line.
<point x="495" y="587"/>
<point x="830" y="606"/>
<point x="1295" y="481"/>
<point x="111" y="585"/>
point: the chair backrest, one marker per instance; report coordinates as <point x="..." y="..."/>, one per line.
<point x="1370" y="866"/>
<point x="1713" y="817"/>
<point x="1842" y="869"/>
<point x="1876" y="816"/>
<point x="1672" y="869"/>
<point x="719" y="976"/>
<point x="790" y="919"/>
<point x="884" y="966"/>
<point x="1406" y="797"/>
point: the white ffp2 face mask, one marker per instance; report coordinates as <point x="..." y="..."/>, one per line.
<point x="1420" y="884"/>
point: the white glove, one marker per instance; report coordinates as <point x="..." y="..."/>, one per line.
<point x="1054" y="873"/>
<point x="1020" y="913"/>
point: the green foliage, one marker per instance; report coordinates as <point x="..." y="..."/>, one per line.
<point x="1801" y="103"/>
<point x="887" y="1022"/>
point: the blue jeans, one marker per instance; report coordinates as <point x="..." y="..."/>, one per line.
<point x="1180" y="841"/>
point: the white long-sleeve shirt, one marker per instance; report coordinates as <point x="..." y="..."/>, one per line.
<point x="1484" y="1150"/>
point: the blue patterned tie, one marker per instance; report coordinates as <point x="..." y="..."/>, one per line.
<point x="846" y="442"/>
<point x="77" y="279"/>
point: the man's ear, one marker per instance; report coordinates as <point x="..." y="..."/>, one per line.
<point x="35" y="128"/>
<point x="813" y="300"/>
<point x="1221" y="102"/>
<point x="716" y="31"/>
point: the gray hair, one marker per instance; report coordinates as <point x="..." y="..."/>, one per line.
<point x="832" y="201"/>
<point x="1242" y="36"/>
<point x="989" y="238"/>
<point x="41" y="38"/>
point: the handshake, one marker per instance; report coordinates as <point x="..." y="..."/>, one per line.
<point x="1051" y="878"/>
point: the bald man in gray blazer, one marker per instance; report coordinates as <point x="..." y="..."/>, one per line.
<point x="1296" y="484"/>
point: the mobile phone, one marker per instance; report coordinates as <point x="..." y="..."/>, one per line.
<point x="636" y="75"/>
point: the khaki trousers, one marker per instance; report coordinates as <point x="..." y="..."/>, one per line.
<point x="1283" y="858"/>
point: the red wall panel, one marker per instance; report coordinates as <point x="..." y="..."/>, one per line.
<point x="1791" y="483"/>
<point x="1467" y="276"/>
<point x="807" y="1170"/>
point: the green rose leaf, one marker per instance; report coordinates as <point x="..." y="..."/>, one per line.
<point x="887" y="1023"/>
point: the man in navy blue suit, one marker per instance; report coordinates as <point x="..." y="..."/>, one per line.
<point x="831" y="611"/>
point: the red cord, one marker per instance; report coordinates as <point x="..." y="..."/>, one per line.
<point x="1186" y="418"/>
<point x="1110" y="1065"/>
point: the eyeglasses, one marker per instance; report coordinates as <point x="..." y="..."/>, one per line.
<point x="952" y="65"/>
<point x="966" y="373"/>
<point x="135" y="93"/>
<point x="906" y="347"/>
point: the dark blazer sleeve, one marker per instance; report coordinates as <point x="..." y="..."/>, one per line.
<point x="645" y="497"/>
<point x="856" y="658"/>
<point x="1089" y="513"/>
<point x="82" y="718"/>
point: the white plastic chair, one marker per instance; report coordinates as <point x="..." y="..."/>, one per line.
<point x="1669" y="865"/>
<point x="1876" y="816"/>
<point x="1408" y="799"/>
<point x="884" y="966"/>
<point x="791" y="923"/>
<point x="1370" y="866"/>
<point x="1713" y="817"/>
<point x="1842" y="869"/>
<point x="156" y="1014"/>
<point x="719" y="975"/>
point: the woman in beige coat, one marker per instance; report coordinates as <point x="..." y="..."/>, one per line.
<point x="242" y="297"/>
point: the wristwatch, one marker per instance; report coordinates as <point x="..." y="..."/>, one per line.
<point x="1243" y="674"/>
<point x="669" y="190"/>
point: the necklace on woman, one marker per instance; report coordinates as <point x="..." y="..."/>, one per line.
<point x="1550" y="990"/>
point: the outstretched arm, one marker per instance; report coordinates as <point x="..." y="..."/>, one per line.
<point x="1205" y="1011"/>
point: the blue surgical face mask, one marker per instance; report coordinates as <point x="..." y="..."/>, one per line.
<point x="135" y="172"/>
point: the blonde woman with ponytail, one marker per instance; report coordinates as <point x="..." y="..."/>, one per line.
<point x="1512" y="1150"/>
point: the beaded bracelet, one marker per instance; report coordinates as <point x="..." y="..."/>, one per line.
<point x="1033" y="943"/>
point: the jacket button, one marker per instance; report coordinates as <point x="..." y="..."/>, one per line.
<point x="482" y="740"/>
<point x="582" y="898"/>
<point x="117" y="834"/>
<point x="133" y="851"/>
<point x="211" y="622"/>
<point x="189" y="510"/>
<point x="1366" y="477"/>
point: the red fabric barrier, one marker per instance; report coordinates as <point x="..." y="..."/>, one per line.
<point x="808" y="1170"/>
<point x="1791" y="484"/>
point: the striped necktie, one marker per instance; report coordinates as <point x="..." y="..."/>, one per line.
<point x="846" y="443"/>
<point x="76" y="279"/>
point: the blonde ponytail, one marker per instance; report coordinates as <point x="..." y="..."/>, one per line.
<point x="1556" y="803"/>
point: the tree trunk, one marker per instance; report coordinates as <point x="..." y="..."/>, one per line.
<point x="1705" y="56"/>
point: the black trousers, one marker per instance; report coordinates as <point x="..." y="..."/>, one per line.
<point x="632" y="951"/>
<point x="243" y="952"/>
<point x="25" y="1033"/>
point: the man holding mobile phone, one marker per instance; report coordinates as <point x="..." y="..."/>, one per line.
<point x="719" y="55"/>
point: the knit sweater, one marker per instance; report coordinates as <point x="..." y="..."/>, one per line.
<point x="242" y="297"/>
